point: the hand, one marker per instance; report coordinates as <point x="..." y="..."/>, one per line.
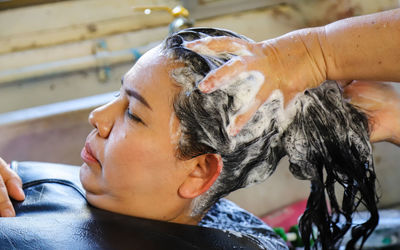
<point x="10" y="185"/>
<point x="382" y="104"/>
<point x="291" y="63"/>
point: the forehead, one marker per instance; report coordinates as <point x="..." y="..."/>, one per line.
<point x="151" y="78"/>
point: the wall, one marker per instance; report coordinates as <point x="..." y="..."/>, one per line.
<point x="40" y="38"/>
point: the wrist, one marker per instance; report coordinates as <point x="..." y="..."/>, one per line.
<point x="314" y="42"/>
<point x="298" y="59"/>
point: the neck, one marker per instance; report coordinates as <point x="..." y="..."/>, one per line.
<point x="185" y="218"/>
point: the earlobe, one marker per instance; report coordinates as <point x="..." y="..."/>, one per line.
<point x="207" y="169"/>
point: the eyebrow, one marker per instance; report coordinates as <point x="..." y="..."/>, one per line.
<point x="136" y="95"/>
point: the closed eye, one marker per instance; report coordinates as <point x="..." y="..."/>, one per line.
<point x="133" y="117"/>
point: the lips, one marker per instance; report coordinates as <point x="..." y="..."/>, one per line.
<point x="87" y="154"/>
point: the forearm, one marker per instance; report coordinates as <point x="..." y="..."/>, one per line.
<point x="364" y="47"/>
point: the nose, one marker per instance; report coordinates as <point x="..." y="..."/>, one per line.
<point x="103" y="118"/>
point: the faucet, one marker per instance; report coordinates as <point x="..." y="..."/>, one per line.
<point x="180" y="14"/>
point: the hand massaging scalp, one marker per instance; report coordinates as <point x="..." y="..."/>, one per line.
<point x="325" y="138"/>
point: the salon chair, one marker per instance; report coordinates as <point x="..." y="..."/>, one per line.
<point x="55" y="215"/>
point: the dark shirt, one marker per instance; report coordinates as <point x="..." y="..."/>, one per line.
<point x="226" y="215"/>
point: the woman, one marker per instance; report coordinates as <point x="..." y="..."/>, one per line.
<point x="143" y="157"/>
<point x="162" y="141"/>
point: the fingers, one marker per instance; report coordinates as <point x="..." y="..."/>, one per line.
<point x="222" y="75"/>
<point x="14" y="187"/>
<point x="219" y="45"/>
<point x="240" y="121"/>
<point x="370" y="96"/>
<point x="6" y="207"/>
<point x="382" y="104"/>
<point x="10" y="185"/>
<point x="215" y="45"/>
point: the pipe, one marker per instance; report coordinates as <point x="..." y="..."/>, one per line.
<point x="74" y="64"/>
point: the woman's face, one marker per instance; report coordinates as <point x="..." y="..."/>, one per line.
<point x="129" y="158"/>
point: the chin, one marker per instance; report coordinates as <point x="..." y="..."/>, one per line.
<point x="89" y="180"/>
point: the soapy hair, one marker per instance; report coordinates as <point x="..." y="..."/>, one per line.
<point x="325" y="138"/>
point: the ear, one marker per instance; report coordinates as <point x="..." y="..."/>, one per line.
<point x="205" y="171"/>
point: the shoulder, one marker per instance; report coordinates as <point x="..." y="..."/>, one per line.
<point x="226" y="215"/>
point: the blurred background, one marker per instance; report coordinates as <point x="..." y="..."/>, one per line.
<point x="59" y="59"/>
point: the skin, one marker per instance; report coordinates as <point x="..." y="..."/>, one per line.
<point x="132" y="167"/>
<point x="382" y="105"/>
<point x="363" y="48"/>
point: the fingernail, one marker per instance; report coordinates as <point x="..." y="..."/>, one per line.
<point x="203" y="88"/>
<point x="7" y="213"/>
<point x="21" y="192"/>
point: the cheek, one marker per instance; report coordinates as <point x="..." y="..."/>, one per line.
<point x="137" y="161"/>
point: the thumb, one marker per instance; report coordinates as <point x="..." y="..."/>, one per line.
<point x="240" y="120"/>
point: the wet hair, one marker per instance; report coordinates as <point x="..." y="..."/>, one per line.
<point x="325" y="138"/>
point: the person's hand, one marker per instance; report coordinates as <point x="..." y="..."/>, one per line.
<point x="10" y="186"/>
<point x="291" y="63"/>
<point x="382" y="105"/>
